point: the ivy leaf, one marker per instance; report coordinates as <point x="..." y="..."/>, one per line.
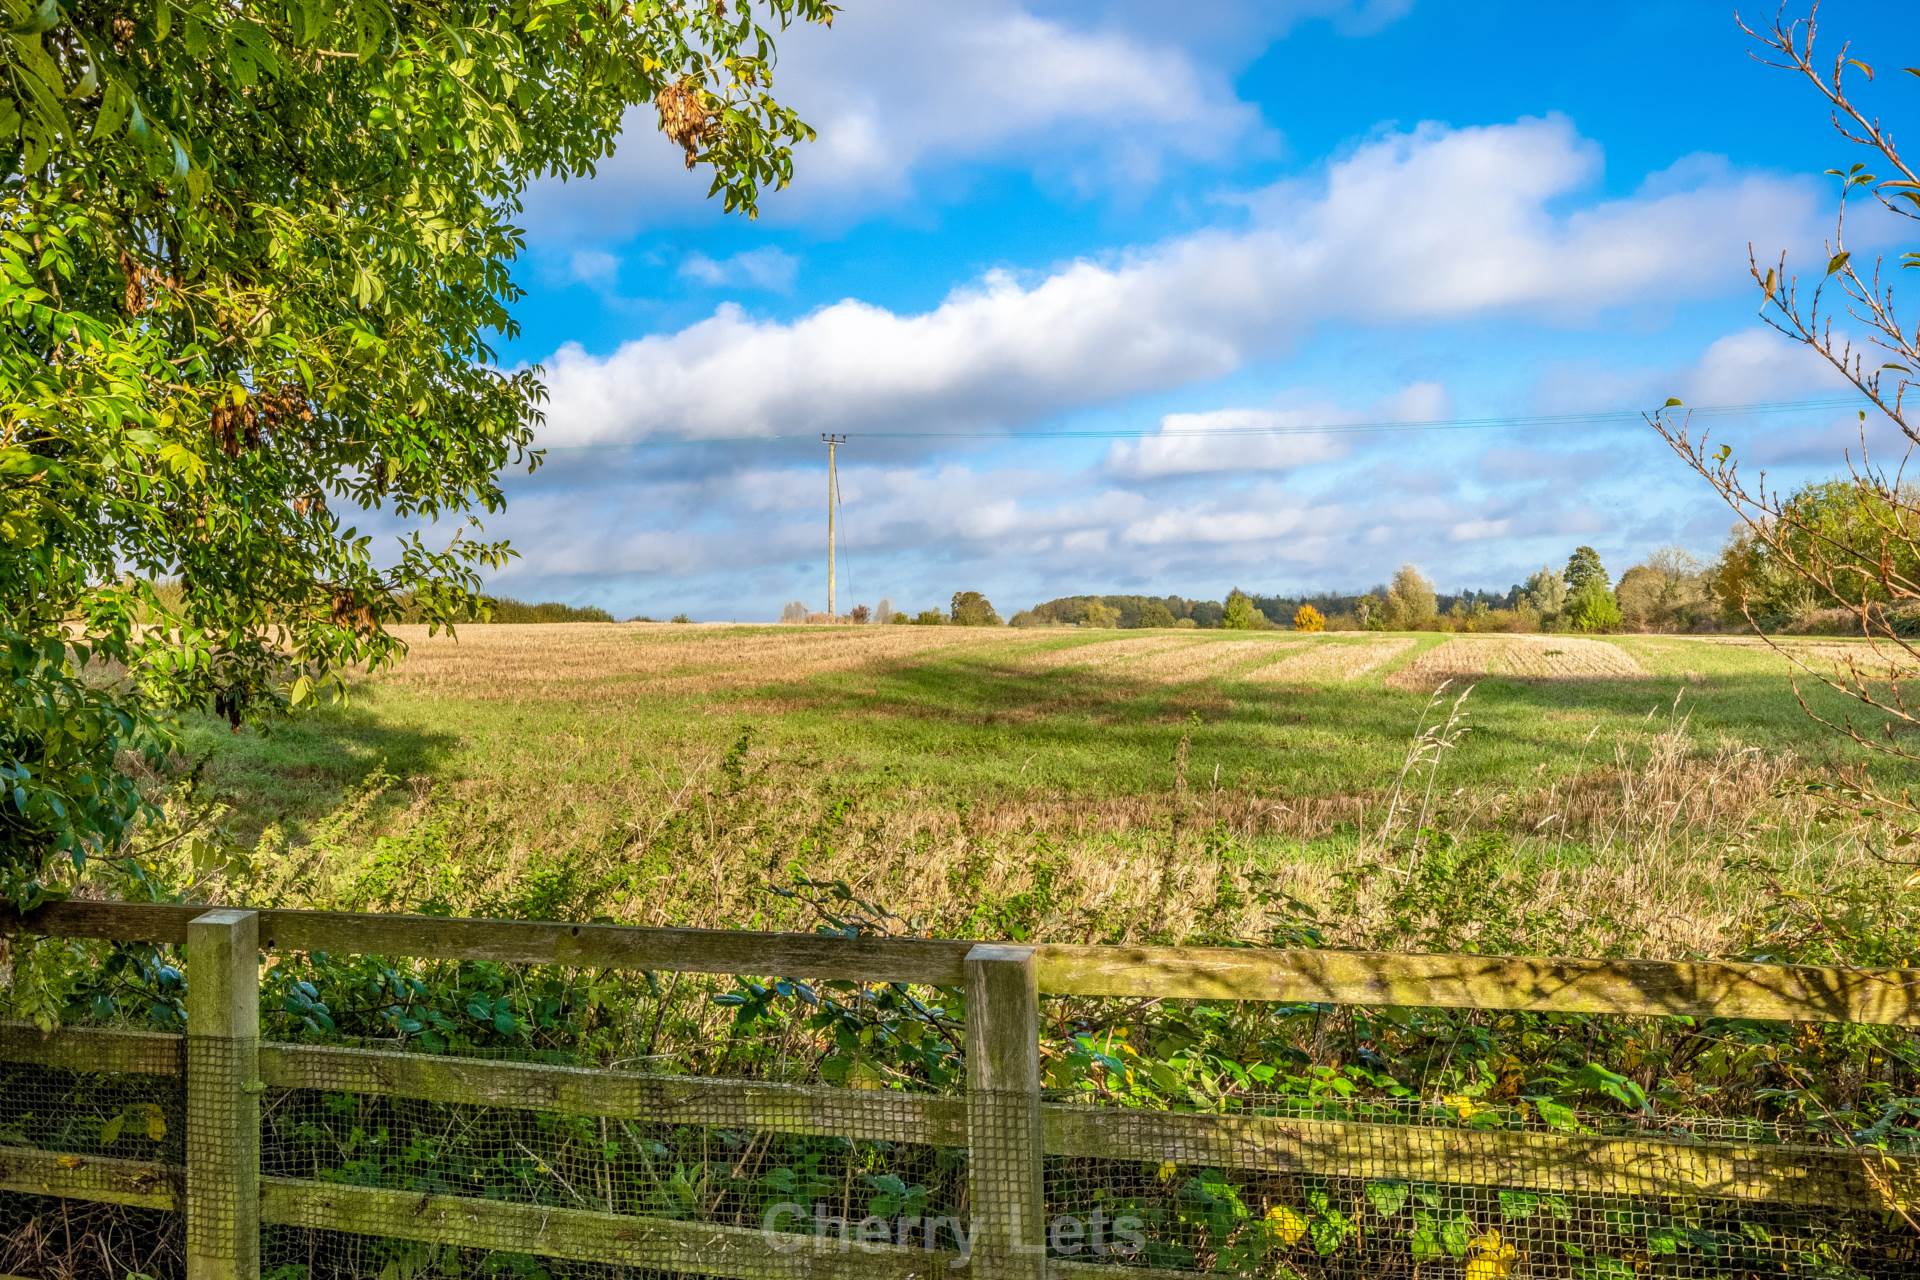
<point x="1387" y="1197"/>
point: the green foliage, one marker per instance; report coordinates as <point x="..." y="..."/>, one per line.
<point x="1833" y="544"/>
<point x="1668" y="592"/>
<point x="1240" y="615"/>
<point x="504" y="609"/>
<point x="1099" y="615"/>
<point x="1410" y="603"/>
<point x="1546" y="593"/>
<point x="1592" y="607"/>
<point x="971" y="609"/>
<point x="252" y="261"/>
<point x="1156" y="614"/>
<point x="1584" y="569"/>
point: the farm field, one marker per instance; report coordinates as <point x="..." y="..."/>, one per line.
<point x="1611" y="792"/>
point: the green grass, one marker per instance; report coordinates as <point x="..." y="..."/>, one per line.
<point x="635" y="763"/>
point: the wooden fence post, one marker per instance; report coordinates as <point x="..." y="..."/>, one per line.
<point x="223" y="1096"/>
<point x="1006" y="1144"/>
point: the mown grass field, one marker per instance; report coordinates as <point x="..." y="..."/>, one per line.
<point x="1046" y="783"/>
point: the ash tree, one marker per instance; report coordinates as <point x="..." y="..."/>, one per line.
<point x="253" y="259"/>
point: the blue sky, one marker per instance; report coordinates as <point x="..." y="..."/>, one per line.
<point x="1022" y="218"/>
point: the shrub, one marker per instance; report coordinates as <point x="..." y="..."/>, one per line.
<point x="1308" y="618"/>
<point x="1593" y="608"/>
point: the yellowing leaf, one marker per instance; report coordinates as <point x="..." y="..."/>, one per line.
<point x="156" y="1123"/>
<point x="1490" y="1260"/>
<point x="1286" y="1225"/>
<point x="69" y="1162"/>
<point x="1167" y="1169"/>
<point x="1461" y="1105"/>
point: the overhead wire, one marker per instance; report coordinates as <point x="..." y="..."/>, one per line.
<point x="1493" y="423"/>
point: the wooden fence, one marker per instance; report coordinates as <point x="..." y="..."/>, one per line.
<point x="1002" y="1119"/>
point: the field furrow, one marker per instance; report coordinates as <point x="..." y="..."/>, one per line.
<point x="1332" y="662"/>
<point x="1517" y="657"/>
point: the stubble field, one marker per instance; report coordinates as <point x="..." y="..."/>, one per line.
<point x="1599" y="794"/>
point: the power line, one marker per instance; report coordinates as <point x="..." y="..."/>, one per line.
<point x="1500" y="422"/>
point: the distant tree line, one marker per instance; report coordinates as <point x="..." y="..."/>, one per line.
<point x="1753" y="581"/>
<point x="507" y="609"/>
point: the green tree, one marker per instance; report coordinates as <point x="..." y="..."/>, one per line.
<point x="1593" y="608"/>
<point x="1546" y="594"/>
<point x="1155" y="614"/>
<point x="1369" y="612"/>
<point x="971" y="609"/>
<point x="1410" y="604"/>
<point x="1240" y="615"/>
<point x="1098" y="613"/>
<point x="252" y="259"/>
<point x="1640" y="595"/>
<point x="1583" y="568"/>
<point x="1667" y="592"/>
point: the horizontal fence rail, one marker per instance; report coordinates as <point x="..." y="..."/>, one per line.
<point x="1002" y="1119"/>
<point x="1654" y="988"/>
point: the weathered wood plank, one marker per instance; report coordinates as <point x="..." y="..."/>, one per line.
<point x="935" y="962"/>
<point x="1637" y="987"/>
<point x="96" y="1049"/>
<point x="223" y="1096"/>
<point x="141" y="1184"/>
<point x="815" y="1110"/>
<point x="1532" y="1161"/>
<point x="1005" y="1141"/>
<point x="582" y="1235"/>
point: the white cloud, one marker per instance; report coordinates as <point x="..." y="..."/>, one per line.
<point x="1750" y="366"/>
<point x="1479" y="530"/>
<point x="770" y="269"/>
<point x="593" y="267"/>
<point x="897" y="88"/>
<point x="1423" y="226"/>
<point x="1254" y="440"/>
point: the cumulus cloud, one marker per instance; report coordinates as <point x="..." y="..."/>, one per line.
<point x="1252" y="440"/>
<point x="1750" y="366"/>
<point x="896" y="88"/>
<point x="1420" y="226"/>
<point x="770" y="269"/>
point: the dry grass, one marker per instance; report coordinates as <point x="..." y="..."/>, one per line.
<point x="993" y="782"/>
<point x="693" y="847"/>
<point x="1517" y="657"/>
<point x="507" y="661"/>
<point x="1122" y="651"/>
<point x="1204" y="661"/>
<point x="1332" y="661"/>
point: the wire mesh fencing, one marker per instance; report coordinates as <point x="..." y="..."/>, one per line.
<point x="400" y="1118"/>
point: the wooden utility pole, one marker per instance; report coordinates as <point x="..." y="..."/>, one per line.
<point x="833" y="501"/>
